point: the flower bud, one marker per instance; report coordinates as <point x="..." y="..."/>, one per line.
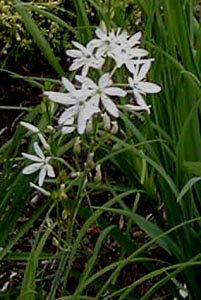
<point x="98" y="175"/>
<point x="77" y="145"/>
<point x="106" y="121"/>
<point x="114" y="128"/>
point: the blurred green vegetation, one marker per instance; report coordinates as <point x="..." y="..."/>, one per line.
<point x="17" y="44"/>
<point x="150" y="170"/>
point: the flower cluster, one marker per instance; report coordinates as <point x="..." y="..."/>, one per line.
<point x="95" y="90"/>
<point x="89" y="97"/>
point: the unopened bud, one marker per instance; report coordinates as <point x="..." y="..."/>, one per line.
<point x="90" y="160"/>
<point x="55" y="242"/>
<point x="65" y="214"/>
<point x="77" y="145"/>
<point x="114" y="128"/>
<point x="89" y="126"/>
<point x="98" y="175"/>
<point x="106" y="122"/>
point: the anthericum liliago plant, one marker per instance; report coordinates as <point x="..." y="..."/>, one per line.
<point x="95" y="98"/>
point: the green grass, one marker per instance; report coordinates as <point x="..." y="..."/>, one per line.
<point x="150" y="176"/>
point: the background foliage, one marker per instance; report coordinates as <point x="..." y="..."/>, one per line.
<point x="134" y="233"/>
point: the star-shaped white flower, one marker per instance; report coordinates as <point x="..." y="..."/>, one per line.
<point x="84" y="57"/>
<point x="41" y="163"/>
<point x="82" y="111"/>
<point x="102" y="92"/>
<point x="106" y="42"/>
<point x="119" y="46"/>
<point x="79" y="107"/>
<point x="140" y="87"/>
<point x="138" y="82"/>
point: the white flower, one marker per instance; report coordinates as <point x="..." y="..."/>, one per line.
<point x="140" y="87"/>
<point x="125" y="53"/>
<point x="84" y="57"/>
<point x="83" y="111"/>
<point x="40" y="163"/>
<point x="102" y="92"/>
<point x="106" y="42"/>
<point x="119" y="46"/>
<point x="79" y="107"/>
<point x="138" y="83"/>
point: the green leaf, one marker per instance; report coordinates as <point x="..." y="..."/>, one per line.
<point x="193" y="167"/>
<point x="151" y="229"/>
<point x="187" y="187"/>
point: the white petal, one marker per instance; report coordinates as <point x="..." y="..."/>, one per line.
<point x="135" y="39"/>
<point x="110" y="106"/>
<point x="115" y="91"/>
<point x="105" y="80"/>
<point x="79" y="46"/>
<point x="134" y="108"/>
<point x="94" y="100"/>
<point x="85" y="114"/>
<point x="96" y="62"/>
<point x="74" y="53"/>
<point x="43" y="191"/>
<point x="32" y="168"/>
<point x="50" y="171"/>
<point x="81" y="124"/>
<point x="68" y="85"/>
<point x="29" y="126"/>
<point x="76" y="65"/>
<point x="102" y="31"/>
<point x="69" y="121"/>
<point x="43" y="141"/>
<point x="143" y="71"/>
<point x="89" y="110"/>
<point x="88" y="82"/>
<point x="95" y="43"/>
<point x="68" y="115"/>
<point x="183" y="293"/>
<point x="138" y="52"/>
<point x="38" y="150"/>
<point x="62" y="98"/>
<point x="67" y="129"/>
<point x="130" y="66"/>
<point x="138" y="98"/>
<point x="85" y="70"/>
<point x="42" y="175"/>
<point x="31" y="157"/>
<point x="94" y="109"/>
<point x="149" y="87"/>
<point x="131" y="82"/>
